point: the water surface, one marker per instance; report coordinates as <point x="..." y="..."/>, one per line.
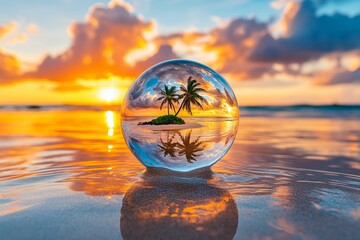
<point x="68" y="174"/>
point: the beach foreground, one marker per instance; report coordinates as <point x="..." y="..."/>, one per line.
<point x="69" y="175"/>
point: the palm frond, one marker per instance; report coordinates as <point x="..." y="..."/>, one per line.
<point x="162" y="103"/>
<point x="194" y="101"/>
<point x="199" y="90"/>
<point x="160" y="98"/>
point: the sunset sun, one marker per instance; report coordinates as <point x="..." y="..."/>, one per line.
<point x="108" y="94"/>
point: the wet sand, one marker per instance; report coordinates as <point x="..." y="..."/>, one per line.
<point x="70" y="175"/>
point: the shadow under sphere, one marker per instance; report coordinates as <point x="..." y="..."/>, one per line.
<point x="164" y="209"/>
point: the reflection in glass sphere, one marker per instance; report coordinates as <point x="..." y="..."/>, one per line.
<point x="179" y="115"/>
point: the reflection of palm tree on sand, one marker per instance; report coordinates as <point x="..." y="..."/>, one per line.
<point x="191" y="95"/>
<point x="169" y="96"/>
<point x="191" y="149"/>
<point x="168" y="147"/>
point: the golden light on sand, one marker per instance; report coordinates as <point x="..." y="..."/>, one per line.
<point x="108" y="94"/>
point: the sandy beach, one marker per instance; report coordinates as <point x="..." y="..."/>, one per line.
<point x="63" y="179"/>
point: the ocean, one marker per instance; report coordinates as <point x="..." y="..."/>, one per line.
<point x="293" y="172"/>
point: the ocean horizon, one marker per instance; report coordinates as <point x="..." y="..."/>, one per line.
<point x="348" y="111"/>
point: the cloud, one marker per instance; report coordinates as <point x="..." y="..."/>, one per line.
<point x="146" y="100"/>
<point x="226" y="48"/>
<point x="32" y="28"/>
<point x="99" y="45"/>
<point x="278" y="4"/>
<point x="9" y="64"/>
<point x="165" y="52"/>
<point x="240" y="48"/>
<point x="8" y="28"/>
<point x="342" y="76"/>
<point x="9" y="67"/>
<point x="9" y="31"/>
<point x="233" y="45"/>
<point x="18" y="38"/>
<point x="306" y="36"/>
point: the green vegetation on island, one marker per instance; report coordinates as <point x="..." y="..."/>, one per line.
<point x="190" y="95"/>
<point x="166" y="119"/>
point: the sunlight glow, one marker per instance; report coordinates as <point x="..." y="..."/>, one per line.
<point x="110" y="122"/>
<point x="108" y="94"/>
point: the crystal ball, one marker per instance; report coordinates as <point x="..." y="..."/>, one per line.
<point x="179" y="115"/>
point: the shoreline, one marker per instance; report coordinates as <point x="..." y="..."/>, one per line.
<point x="171" y="126"/>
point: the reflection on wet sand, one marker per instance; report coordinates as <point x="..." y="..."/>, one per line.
<point x="169" y="208"/>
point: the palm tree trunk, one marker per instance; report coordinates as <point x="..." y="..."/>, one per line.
<point x="168" y="110"/>
<point x="179" y="108"/>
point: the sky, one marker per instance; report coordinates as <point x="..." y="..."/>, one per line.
<point x="272" y="52"/>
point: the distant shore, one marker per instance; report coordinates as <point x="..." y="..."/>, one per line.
<point x="171" y="126"/>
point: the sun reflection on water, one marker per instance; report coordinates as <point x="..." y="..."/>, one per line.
<point x="110" y="121"/>
<point x="307" y="169"/>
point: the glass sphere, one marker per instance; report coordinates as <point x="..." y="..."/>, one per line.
<point x="179" y="115"/>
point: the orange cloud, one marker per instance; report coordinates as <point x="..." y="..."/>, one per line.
<point x="19" y="38"/>
<point x="100" y="46"/>
<point x="114" y="41"/>
<point x="32" y="28"/>
<point x="7" y="28"/>
<point x="9" y="64"/>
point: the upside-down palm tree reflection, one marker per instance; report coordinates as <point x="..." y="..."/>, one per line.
<point x="168" y="147"/>
<point x="191" y="149"/>
<point x="184" y="147"/>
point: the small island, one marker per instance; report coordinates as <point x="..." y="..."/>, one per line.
<point x="169" y="95"/>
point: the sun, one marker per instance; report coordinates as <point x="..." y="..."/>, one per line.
<point x="108" y="94"/>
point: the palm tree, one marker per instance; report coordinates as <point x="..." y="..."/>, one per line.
<point x="190" y="148"/>
<point x="168" y="147"/>
<point x="169" y="96"/>
<point x="191" y="95"/>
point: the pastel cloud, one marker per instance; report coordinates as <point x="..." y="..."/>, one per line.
<point x="9" y="67"/>
<point x="248" y="50"/>
<point x="10" y="32"/>
<point x="244" y="49"/>
<point x="341" y="76"/>
<point x="99" y="45"/>
<point x="9" y="64"/>
<point x="7" y="28"/>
